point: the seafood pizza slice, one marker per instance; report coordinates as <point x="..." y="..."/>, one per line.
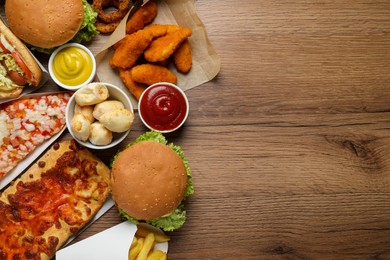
<point x="26" y="123"/>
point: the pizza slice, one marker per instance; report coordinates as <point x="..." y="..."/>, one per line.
<point x="27" y="123"/>
<point x="51" y="201"/>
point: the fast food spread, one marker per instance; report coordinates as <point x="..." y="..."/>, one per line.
<point x="149" y="179"/>
<point x="26" y="123"/>
<point x="51" y="201"/>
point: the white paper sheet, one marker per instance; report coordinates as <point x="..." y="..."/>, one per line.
<point x="113" y="243"/>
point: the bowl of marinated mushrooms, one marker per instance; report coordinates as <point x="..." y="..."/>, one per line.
<point x="99" y="115"/>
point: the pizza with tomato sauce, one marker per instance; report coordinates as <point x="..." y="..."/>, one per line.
<point x="27" y="123"/>
<point x="51" y="201"/>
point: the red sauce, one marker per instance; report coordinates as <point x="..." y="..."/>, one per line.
<point x="39" y="205"/>
<point x="163" y="107"/>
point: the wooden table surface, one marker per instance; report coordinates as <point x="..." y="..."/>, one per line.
<point x="289" y="145"/>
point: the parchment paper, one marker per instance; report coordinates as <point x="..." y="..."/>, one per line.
<point x="205" y="65"/>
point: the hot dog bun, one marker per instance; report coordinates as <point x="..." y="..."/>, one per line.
<point x="9" y="90"/>
<point x="12" y="93"/>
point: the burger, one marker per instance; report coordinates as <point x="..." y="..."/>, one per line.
<point x="18" y="68"/>
<point x="150" y="179"/>
<point x="46" y="24"/>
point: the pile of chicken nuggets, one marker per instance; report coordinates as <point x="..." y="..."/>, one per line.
<point x="143" y="55"/>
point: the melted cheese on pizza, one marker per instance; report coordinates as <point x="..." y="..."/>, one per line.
<point x="59" y="199"/>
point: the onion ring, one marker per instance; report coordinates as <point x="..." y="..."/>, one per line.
<point x="122" y="7"/>
<point x="106" y="27"/>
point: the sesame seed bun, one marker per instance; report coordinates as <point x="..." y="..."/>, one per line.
<point x="42" y="23"/>
<point x="148" y="180"/>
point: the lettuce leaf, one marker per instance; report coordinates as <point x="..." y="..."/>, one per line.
<point x="87" y="30"/>
<point x="172" y="222"/>
<point x="176" y="219"/>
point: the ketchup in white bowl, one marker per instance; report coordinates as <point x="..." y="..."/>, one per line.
<point x="163" y="107"/>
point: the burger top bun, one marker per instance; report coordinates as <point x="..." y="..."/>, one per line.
<point x="148" y="180"/>
<point x="43" y="23"/>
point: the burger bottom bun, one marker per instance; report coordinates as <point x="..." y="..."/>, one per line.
<point x="148" y="180"/>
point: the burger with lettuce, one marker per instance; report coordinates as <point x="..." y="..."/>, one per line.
<point x="46" y="24"/>
<point x="150" y="179"/>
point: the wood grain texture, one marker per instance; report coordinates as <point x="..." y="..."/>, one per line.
<point x="290" y="144"/>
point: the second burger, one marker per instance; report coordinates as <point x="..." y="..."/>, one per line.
<point x="150" y="179"/>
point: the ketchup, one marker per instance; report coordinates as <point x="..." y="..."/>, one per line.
<point x="163" y="107"/>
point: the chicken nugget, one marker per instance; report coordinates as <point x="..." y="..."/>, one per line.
<point x="150" y="73"/>
<point x="182" y="57"/>
<point x="135" y="88"/>
<point x="163" y="47"/>
<point x="143" y="16"/>
<point x="159" y="30"/>
<point x="130" y="49"/>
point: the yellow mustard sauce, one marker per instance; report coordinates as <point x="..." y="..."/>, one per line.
<point x="72" y="66"/>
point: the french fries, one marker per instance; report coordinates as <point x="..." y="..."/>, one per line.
<point x="143" y="243"/>
<point x="143" y="231"/>
<point x="133" y="252"/>
<point x="147" y="246"/>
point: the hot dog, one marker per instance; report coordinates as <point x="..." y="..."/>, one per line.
<point x="18" y="67"/>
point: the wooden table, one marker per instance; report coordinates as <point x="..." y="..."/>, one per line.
<point x="289" y="145"/>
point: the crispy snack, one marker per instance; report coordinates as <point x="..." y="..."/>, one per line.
<point x="159" y="237"/>
<point x="147" y="246"/>
<point x="135" y="88"/>
<point x="108" y="21"/>
<point x="132" y="47"/>
<point x="143" y="16"/>
<point x="143" y="243"/>
<point x="153" y="46"/>
<point x="121" y="6"/>
<point x="182" y="57"/>
<point x="150" y="73"/>
<point x="106" y="27"/>
<point x="159" y="30"/>
<point x="134" y="250"/>
<point x="163" y="47"/>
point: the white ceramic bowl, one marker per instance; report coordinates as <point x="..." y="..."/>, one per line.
<point x="144" y="104"/>
<point x="115" y="94"/>
<point x="63" y="85"/>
